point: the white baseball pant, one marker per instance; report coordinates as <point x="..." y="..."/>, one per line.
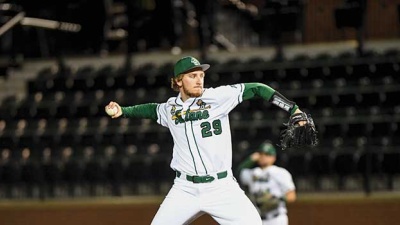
<point x="282" y="219"/>
<point x="222" y="199"/>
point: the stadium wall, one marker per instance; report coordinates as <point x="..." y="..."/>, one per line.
<point x="381" y="22"/>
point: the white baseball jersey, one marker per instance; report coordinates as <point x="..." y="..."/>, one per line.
<point x="273" y="179"/>
<point x="202" y="146"/>
<point x="200" y="129"/>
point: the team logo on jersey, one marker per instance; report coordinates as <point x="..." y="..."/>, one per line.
<point x="177" y="114"/>
<point x="202" y="104"/>
<point x="264" y="178"/>
<point x="180" y="116"/>
<point x="173" y="110"/>
<point x="192" y="115"/>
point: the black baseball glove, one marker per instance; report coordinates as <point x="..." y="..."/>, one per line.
<point x="296" y="136"/>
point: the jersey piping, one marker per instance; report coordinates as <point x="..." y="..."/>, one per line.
<point x="241" y="91"/>
<point x="158" y="114"/>
<point x="201" y="158"/>
<point x="194" y="137"/>
<point x="187" y="139"/>
<point x="197" y="147"/>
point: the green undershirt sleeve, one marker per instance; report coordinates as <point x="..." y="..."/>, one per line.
<point x="247" y="163"/>
<point x="143" y="111"/>
<point x="253" y="90"/>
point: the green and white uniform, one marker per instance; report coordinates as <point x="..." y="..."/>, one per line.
<point x="275" y="180"/>
<point x="202" y="153"/>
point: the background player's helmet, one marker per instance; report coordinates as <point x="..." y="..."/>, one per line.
<point x="267" y="148"/>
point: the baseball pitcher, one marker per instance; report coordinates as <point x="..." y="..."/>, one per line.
<point x="202" y="154"/>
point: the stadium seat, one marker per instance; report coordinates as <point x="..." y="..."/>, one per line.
<point x="103" y="83"/>
<point x="82" y="110"/>
<point x="8" y="141"/>
<point x="321" y="101"/>
<point x="344" y="165"/>
<point x="291" y="74"/>
<point x="264" y="132"/>
<point x="10" y="176"/>
<point x="370" y="99"/>
<point x="51" y="172"/>
<point x="256" y="60"/>
<point x="123" y="81"/>
<point x="391" y="167"/>
<point x="386" y="69"/>
<point x="27" y="141"/>
<point x="111" y="139"/>
<point x="391" y="99"/>
<point x="332" y="130"/>
<point x="72" y="172"/>
<point x="302" y="101"/>
<point x="320" y="165"/>
<point x="372" y="159"/>
<point x="346" y="100"/>
<point x="25" y="112"/>
<point x="140" y="81"/>
<point x="358" y="129"/>
<point x="316" y="72"/>
<point x="361" y="70"/>
<point x="160" y="171"/>
<point x="83" y="72"/>
<point x="31" y="174"/>
<point x="114" y="172"/>
<point x="337" y="71"/>
<point x="45" y="73"/>
<point x="137" y="172"/>
<point x="93" y="171"/>
<point x="161" y="81"/>
<point x="65" y="111"/>
<point x="298" y="164"/>
<point x="380" y="129"/>
<point x="79" y="84"/>
<point x="36" y="86"/>
<point x="48" y="140"/>
<point x="370" y="166"/>
<point x="167" y="68"/>
<point x="346" y="55"/>
<point x="59" y="84"/>
<point x="250" y="76"/>
<point x="45" y="111"/>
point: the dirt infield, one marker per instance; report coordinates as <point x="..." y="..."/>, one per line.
<point x="377" y="209"/>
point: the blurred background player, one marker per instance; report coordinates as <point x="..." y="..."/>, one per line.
<point x="270" y="187"/>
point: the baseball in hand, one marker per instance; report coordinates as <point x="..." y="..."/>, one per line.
<point x="111" y="111"/>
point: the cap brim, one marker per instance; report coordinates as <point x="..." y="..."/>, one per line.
<point x="203" y="67"/>
<point x="264" y="152"/>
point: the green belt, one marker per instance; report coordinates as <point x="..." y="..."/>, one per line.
<point x="203" y="179"/>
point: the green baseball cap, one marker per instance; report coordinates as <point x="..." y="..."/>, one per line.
<point x="188" y="63"/>
<point x="267" y="148"/>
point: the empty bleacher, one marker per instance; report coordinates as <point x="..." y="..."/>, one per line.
<point x="354" y="101"/>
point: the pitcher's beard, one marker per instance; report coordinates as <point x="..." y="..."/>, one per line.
<point x="192" y="94"/>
